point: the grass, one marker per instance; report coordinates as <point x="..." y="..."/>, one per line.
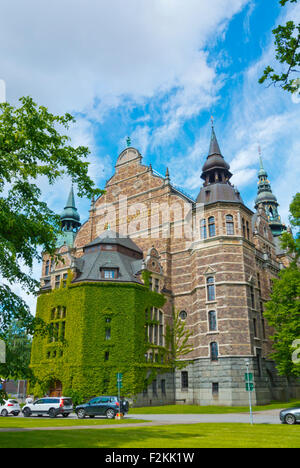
<point x="193" y="409"/>
<point x="11" y="422"/>
<point x="177" y="436"/>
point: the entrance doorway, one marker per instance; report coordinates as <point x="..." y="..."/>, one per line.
<point x="55" y="388"/>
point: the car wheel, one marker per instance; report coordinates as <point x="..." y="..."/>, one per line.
<point x="27" y="412"/>
<point x="81" y="414"/>
<point x="290" y="419"/>
<point x="110" y="414"/>
<point x="52" y="413"/>
<point x="4" y="413"/>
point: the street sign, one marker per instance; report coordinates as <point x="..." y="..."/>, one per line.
<point x="249" y="387"/>
<point x="119" y="380"/>
<point x="248" y="377"/>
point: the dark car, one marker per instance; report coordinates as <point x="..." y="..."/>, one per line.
<point x="107" y="406"/>
<point x="290" y="415"/>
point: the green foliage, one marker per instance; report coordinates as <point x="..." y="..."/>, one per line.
<point x="79" y="361"/>
<point x="287" y="240"/>
<point x="18" y="347"/>
<point x="177" y="342"/>
<point x="287" y="43"/>
<point x="3" y="396"/>
<point x="31" y="146"/>
<point x="283" y="313"/>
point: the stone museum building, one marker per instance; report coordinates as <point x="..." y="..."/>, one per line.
<point x="148" y="249"/>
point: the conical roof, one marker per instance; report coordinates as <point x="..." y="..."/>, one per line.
<point x="214" y="159"/>
<point x="70" y="212"/>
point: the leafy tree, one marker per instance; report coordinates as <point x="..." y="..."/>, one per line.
<point x="32" y="145"/>
<point x="288" y="242"/>
<point x="283" y="314"/>
<point x="283" y="309"/>
<point x="177" y="342"/>
<point x="18" y="348"/>
<point x="287" y="43"/>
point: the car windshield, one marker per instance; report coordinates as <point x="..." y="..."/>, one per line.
<point x="15" y="402"/>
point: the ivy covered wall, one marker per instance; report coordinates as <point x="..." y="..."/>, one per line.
<point x="99" y="330"/>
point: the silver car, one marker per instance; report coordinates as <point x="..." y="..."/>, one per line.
<point x="290" y="415"/>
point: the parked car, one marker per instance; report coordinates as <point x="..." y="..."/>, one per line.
<point x="107" y="406"/>
<point x="290" y="415"/>
<point x="49" y="407"/>
<point x="10" y="407"/>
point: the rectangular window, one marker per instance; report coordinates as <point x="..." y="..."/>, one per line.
<point x="212" y="319"/>
<point x="47" y="268"/>
<point x="151" y="333"/>
<point x="252" y="297"/>
<point x="150" y="283"/>
<point x="155" y="334"/>
<point x="154" y="387"/>
<point x="63" y="330"/>
<point x="156" y="285"/>
<point x="254" y="328"/>
<point x="215" y="388"/>
<point x="106" y="356"/>
<point x="161" y="335"/>
<point x="57" y="281"/>
<point x="163" y="386"/>
<point x="109" y="274"/>
<point x="184" y="380"/>
<point x="65" y="277"/>
<point x="107" y="333"/>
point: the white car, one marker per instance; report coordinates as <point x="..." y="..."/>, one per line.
<point x="10" y="407"/>
<point x="49" y="407"/>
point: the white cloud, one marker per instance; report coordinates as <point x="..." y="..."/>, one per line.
<point x="67" y="53"/>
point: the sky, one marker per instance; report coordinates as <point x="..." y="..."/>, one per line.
<point x="157" y="70"/>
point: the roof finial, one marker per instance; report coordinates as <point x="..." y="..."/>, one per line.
<point x="128" y="141"/>
<point x="212" y="121"/>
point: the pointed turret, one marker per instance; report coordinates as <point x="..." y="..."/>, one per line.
<point x="70" y="219"/>
<point x="216" y="175"/>
<point x="266" y="197"/>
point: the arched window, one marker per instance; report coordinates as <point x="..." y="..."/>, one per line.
<point x="210" y="285"/>
<point x="47" y="267"/>
<point x="212" y="320"/>
<point x="203" y="229"/>
<point x="214" y="351"/>
<point x="211" y="226"/>
<point x="229" y="225"/>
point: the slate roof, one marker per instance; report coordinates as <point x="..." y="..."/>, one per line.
<point x="90" y="264"/>
<point x="113" y="238"/>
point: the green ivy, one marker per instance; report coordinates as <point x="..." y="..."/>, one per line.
<point x="80" y="363"/>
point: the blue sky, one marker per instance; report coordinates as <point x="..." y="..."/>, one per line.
<point x="157" y="70"/>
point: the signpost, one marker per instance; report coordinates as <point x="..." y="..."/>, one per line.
<point x="119" y="385"/>
<point x="249" y="388"/>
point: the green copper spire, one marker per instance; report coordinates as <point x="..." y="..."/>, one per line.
<point x="70" y="218"/>
<point x="266" y="197"/>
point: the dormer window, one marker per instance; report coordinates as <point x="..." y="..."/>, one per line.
<point x="109" y="273"/>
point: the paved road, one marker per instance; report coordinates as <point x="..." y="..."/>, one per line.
<point x="260" y="417"/>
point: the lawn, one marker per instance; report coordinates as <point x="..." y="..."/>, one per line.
<point x="177" y="436"/>
<point x="193" y="409"/>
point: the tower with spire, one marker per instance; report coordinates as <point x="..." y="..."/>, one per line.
<point x="216" y="175"/>
<point x="70" y="221"/>
<point x="266" y="198"/>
